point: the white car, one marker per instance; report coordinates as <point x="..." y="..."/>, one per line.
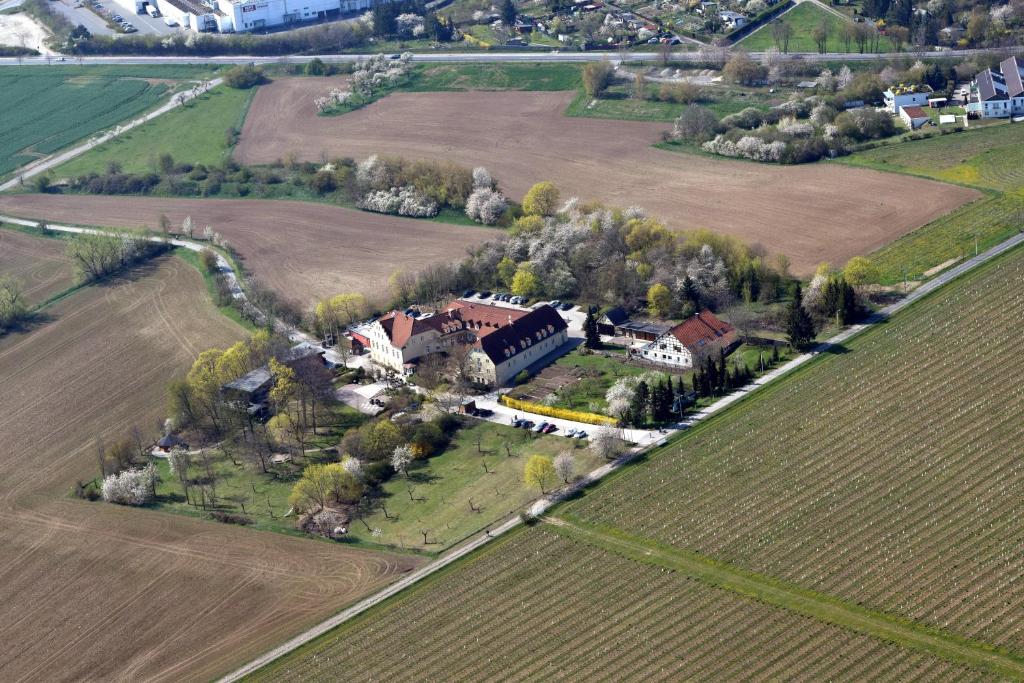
<point x="170" y="22"/>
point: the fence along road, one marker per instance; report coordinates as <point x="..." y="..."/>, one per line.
<point x="544" y="504"/>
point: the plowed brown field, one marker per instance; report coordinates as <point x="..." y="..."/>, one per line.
<point x="303" y="250"/>
<point x="39" y="264"/>
<point x="92" y="591"/>
<point x="812" y="213"/>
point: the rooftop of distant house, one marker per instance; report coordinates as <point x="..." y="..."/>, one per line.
<point x="915" y="112"/>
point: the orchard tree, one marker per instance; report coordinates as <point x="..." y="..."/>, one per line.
<point x="605" y="443"/>
<point x="565" y="466"/>
<point x="401" y="458"/>
<point x="525" y="282"/>
<point x="539" y="472"/>
<point x="861" y="271"/>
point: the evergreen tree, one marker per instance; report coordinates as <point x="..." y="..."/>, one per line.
<point x="661" y="401"/>
<point x="799" y="326"/>
<point x="688" y="295"/>
<point x="508" y="13"/>
<point x="775" y="354"/>
<point x="723" y="375"/>
<point x="638" y="411"/>
<point x="593" y="339"/>
<point x="384" y="19"/>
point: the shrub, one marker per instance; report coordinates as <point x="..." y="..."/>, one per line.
<point x="541" y="199"/>
<point x="208" y="260"/>
<point x="486" y="205"/>
<point x="696" y="123"/>
<point x="404" y="201"/>
<point x="563" y="413"/>
<point x="130" y="487"/>
<point x="244" y="76"/>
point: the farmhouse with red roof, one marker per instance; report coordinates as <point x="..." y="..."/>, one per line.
<point x="689" y="342"/>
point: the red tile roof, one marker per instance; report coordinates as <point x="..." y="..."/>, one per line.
<point x="481" y="319"/>
<point x="701" y="328"/>
<point x="915" y="112"/>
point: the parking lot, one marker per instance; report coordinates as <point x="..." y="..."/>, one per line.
<point x="86" y="14"/>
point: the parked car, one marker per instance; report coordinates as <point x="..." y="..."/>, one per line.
<point x="484" y="294"/>
<point x="571" y="433"/>
<point x="118" y="18"/>
<point x="468" y="293"/>
<point x="484" y="412"/>
<point x="550" y="428"/>
<point x="527" y="424"/>
<point x="566" y="306"/>
<point x="170" y="22"/>
<point x="541" y="427"/>
<point x="130" y="29"/>
<point x="556" y="303"/>
<point x="581" y="434"/>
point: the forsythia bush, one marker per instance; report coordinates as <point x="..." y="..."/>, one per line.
<point x="564" y="413"/>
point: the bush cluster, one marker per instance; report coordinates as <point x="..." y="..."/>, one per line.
<point x="563" y="413"/>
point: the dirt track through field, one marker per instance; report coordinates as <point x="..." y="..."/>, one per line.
<point x="303" y="250"/>
<point x="100" y="592"/>
<point x="38" y="263"/>
<point x="813" y="213"/>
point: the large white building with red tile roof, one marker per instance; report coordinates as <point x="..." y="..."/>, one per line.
<point x="500" y="341"/>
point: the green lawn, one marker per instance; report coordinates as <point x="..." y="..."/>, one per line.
<point x="192" y="258"/>
<point x="619" y="104"/>
<point x="195" y="133"/>
<point x="443" y="487"/>
<point x="804" y="18"/>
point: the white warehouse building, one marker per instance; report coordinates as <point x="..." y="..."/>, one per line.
<point x="227" y="16"/>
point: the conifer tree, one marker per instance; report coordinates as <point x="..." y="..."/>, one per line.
<point x="593" y="339"/>
<point x="799" y="325"/>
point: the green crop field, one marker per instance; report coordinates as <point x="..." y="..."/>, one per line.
<point x="888" y="475"/>
<point x="195" y="134"/>
<point x="542" y="605"/>
<point x="44" y="111"/>
<point x="804" y="18"/>
<point x="991" y="157"/>
<point x="502" y="76"/>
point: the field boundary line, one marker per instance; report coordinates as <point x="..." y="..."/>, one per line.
<point x="48" y="162"/>
<point x="542" y="505"/>
<point x="821" y="607"/>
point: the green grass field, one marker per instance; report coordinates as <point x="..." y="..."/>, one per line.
<point x="545" y="604"/>
<point x="494" y="77"/>
<point x="886" y="475"/>
<point x="44" y="111"/>
<point x="804" y="18"/>
<point x="195" y="133"/>
<point x="989" y="158"/>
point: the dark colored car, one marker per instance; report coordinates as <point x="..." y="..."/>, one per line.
<point x="484" y="294"/>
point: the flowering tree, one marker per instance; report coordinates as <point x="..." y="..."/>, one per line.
<point x="401" y="457"/>
<point x="130" y="487"/>
<point x="565" y="466"/>
<point x="485" y="205"/>
<point x="606" y="443"/>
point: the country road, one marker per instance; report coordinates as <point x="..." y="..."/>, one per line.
<point x="476" y="57"/>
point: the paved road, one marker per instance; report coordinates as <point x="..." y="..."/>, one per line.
<point x="544" y="504"/>
<point x="54" y="160"/>
<point x="471" y="57"/>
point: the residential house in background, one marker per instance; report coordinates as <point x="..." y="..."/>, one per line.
<point x="914" y="117"/>
<point x="611" y="319"/>
<point x="690" y="342"/>
<point x="998" y="93"/>
<point x="906" y="96"/>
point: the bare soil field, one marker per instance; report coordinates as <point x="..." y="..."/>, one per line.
<point x="39" y="264"/>
<point x="304" y="250"/>
<point x="812" y="213"/>
<point x="93" y="591"/>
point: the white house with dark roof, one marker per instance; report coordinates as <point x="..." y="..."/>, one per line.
<point x="998" y="93"/>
